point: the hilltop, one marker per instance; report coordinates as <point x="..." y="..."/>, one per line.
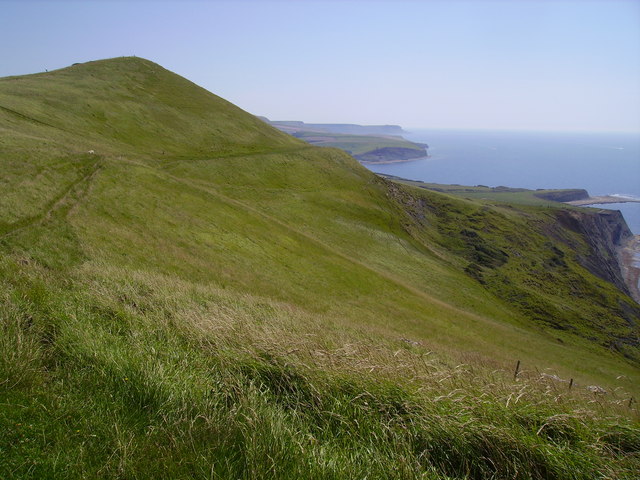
<point x="188" y="292"/>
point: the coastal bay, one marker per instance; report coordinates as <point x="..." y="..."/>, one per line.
<point x="604" y="164"/>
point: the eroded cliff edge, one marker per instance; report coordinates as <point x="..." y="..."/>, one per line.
<point x="630" y="264"/>
<point x="611" y="245"/>
<point x="558" y="267"/>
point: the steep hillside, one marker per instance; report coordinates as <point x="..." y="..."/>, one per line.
<point x="188" y="292"/>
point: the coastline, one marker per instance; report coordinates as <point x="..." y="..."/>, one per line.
<point x="386" y="162"/>
<point x="602" y="200"/>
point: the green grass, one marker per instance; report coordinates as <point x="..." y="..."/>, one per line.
<point x="206" y="297"/>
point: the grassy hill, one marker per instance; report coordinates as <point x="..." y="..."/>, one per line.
<point x="203" y="296"/>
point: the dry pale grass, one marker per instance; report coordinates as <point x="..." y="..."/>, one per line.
<point x="219" y="320"/>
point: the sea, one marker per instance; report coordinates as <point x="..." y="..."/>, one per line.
<point x="601" y="163"/>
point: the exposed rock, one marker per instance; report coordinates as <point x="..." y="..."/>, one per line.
<point x="629" y="256"/>
<point x="606" y="233"/>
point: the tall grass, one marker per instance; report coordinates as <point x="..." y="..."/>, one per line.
<point x="108" y="382"/>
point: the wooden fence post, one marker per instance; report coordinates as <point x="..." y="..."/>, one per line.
<point x="515" y="374"/>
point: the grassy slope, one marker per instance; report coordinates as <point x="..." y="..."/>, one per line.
<point x="207" y="296"/>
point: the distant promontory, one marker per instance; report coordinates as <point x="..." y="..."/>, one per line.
<point x="366" y="143"/>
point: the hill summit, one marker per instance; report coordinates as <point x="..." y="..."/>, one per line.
<point x="137" y="105"/>
<point x="187" y="292"/>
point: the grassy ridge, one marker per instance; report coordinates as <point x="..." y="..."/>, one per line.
<point x="207" y="297"/>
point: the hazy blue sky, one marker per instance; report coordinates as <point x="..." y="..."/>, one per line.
<point x="548" y="65"/>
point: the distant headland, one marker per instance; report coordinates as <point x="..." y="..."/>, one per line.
<point x="366" y="143"/>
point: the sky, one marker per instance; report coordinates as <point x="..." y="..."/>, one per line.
<point x="506" y="64"/>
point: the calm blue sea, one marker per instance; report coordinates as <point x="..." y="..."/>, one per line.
<point x="602" y="163"/>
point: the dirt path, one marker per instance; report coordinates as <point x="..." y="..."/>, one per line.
<point x="55" y="203"/>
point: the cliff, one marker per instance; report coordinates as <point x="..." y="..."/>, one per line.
<point x="563" y="195"/>
<point x="558" y="267"/>
<point x="606" y="233"/>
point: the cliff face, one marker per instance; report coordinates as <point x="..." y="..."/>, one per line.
<point x="545" y="263"/>
<point x="606" y="232"/>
